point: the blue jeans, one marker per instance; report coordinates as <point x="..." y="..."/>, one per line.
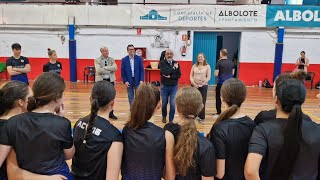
<point x="131" y="89"/>
<point x="166" y="93"/>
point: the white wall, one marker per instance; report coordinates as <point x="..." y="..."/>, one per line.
<point x="294" y="44"/>
<point x="255" y="46"/>
<point x="34" y="44"/>
<point x="259" y="46"/>
<point x="89" y="41"/>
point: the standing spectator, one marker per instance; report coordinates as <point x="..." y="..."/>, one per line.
<point x="17" y="65"/>
<point x="302" y="62"/>
<point x="53" y="65"/>
<point x="199" y="77"/>
<point x="105" y="70"/>
<point x="224" y="71"/>
<point x="170" y="74"/>
<point x="132" y="72"/>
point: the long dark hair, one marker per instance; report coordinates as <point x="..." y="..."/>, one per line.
<point x="291" y="94"/>
<point x="234" y="93"/>
<point x="102" y="94"/>
<point x="144" y="105"/>
<point x="189" y="104"/>
<point x="10" y="92"/>
<point x="47" y="87"/>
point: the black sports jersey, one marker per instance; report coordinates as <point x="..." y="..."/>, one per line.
<point x="144" y="153"/>
<point x="4" y="141"/>
<point x="265" y="116"/>
<point x="39" y="140"/>
<point x="205" y="159"/>
<point x="18" y="63"/>
<point x="55" y="68"/>
<point x="231" y="138"/>
<point x="90" y="159"/>
<point x="267" y="140"/>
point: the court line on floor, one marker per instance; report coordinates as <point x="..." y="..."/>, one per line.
<point x="310" y="114"/>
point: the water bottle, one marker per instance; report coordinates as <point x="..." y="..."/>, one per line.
<point x="260" y="83"/>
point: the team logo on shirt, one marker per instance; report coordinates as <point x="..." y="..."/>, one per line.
<point x="22" y="60"/>
<point x="96" y="131"/>
<point x="58" y="65"/>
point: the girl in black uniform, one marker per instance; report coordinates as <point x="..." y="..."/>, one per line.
<point x="288" y="145"/>
<point x="98" y="143"/>
<point x="53" y="65"/>
<point x="264" y="116"/>
<point x="41" y="137"/>
<point x="194" y="155"/>
<point x="13" y="100"/>
<point x="148" y="149"/>
<point x="231" y="132"/>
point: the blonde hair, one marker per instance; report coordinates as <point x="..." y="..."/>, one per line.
<point x="189" y="104"/>
<point x="205" y="59"/>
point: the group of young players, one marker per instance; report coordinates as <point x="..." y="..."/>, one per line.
<point x="36" y="138"/>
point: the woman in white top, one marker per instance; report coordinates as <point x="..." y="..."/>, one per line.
<point x="302" y="62"/>
<point x="199" y="76"/>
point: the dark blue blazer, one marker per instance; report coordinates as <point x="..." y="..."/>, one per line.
<point x="126" y="72"/>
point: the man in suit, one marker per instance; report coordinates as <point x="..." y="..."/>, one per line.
<point x="105" y="70"/>
<point x="132" y="72"/>
<point x="170" y="73"/>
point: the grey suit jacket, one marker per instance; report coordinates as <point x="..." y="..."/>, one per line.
<point x="101" y="69"/>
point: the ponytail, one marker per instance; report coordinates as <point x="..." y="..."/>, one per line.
<point x="290" y="149"/>
<point x="32" y="104"/>
<point x="185" y="147"/>
<point x="93" y="115"/>
<point x="223" y="116"/>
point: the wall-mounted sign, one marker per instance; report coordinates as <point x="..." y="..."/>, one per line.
<point x="293" y="16"/>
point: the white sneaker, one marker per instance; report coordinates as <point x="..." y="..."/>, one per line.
<point x="216" y="115"/>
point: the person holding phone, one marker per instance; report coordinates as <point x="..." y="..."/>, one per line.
<point x="302" y="62"/>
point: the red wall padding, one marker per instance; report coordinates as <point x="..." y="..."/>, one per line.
<point x="37" y="64"/>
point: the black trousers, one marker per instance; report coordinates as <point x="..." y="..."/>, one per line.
<point x="218" y="98"/>
<point x="203" y="90"/>
<point x="111" y="113"/>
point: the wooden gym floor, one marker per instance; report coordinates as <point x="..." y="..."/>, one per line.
<point x="77" y="104"/>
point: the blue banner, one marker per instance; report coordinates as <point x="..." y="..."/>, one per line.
<point x="293" y="16"/>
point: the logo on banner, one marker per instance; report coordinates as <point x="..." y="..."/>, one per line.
<point x="193" y="15"/>
<point x="293" y="16"/>
<point x="153" y="15"/>
<point x="297" y="15"/>
<point x="238" y="15"/>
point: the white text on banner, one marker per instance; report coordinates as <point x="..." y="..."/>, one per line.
<point x="241" y="16"/>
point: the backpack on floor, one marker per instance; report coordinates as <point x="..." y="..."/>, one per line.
<point x="317" y="85"/>
<point x="267" y="84"/>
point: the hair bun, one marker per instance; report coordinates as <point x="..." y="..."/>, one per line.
<point x="49" y="49"/>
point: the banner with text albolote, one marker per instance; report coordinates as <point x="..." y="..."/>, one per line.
<point x="293" y="16"/>
<point x="199" y="16"/>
